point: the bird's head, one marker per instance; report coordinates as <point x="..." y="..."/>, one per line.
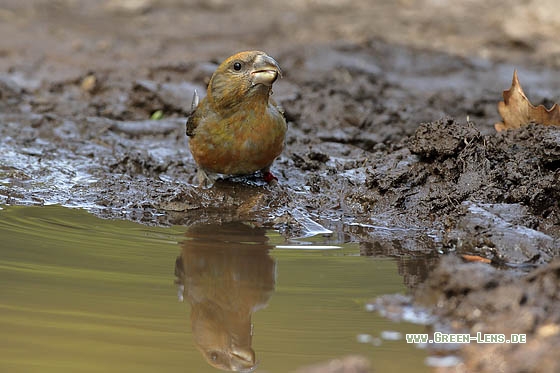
<point x="244" y="78"/>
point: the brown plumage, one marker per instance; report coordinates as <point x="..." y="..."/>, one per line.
<point x="237" y="129"/>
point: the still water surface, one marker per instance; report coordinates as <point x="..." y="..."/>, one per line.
<point x="82" y="294"/>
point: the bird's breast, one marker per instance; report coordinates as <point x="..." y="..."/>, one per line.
<point x="242" y="143"/>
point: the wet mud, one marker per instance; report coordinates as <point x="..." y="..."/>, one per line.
<point x="482" y="299"/>
<point x="390" y="144"/>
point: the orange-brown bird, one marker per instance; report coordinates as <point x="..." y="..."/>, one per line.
<point x="237" y="129"/>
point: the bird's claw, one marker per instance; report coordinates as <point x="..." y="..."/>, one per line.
<point x="205" y="179"/>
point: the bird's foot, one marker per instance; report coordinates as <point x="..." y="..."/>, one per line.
<point x="269" y="177"/>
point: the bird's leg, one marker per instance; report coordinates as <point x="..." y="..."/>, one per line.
<point x="268" y="176"/>
<point x="205" y="179"/>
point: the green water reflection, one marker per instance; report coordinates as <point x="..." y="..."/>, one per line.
<point x="81" y="294"/>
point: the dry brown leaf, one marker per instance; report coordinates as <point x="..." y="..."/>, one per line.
<point x="475" y="258"/>
<point x="516" y="109"/>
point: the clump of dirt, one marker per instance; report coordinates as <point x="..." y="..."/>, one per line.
<point x="510" y="167"/>
<point x="478" y="183"/>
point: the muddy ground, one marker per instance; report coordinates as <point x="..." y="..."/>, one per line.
<point x="391" y="108"/>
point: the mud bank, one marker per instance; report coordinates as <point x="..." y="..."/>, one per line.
<point x="357" y="153"/>
<point x="481" y="299"/>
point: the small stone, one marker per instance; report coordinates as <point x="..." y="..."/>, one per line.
<point x="89" y="83"/>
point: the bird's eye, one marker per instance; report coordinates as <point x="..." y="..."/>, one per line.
<point x="237" y="66"/>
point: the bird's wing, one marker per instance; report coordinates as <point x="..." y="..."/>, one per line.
<point x="192" y="123"/>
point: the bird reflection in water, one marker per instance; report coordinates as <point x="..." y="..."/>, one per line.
<point x="226" y="274"/>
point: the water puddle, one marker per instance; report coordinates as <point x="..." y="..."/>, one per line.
<point x="82" y="294"/>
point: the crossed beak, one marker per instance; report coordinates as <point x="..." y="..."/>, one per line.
<point x="265" y="70"/>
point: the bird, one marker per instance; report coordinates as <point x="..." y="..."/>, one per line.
<point x="237" y="129"/>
